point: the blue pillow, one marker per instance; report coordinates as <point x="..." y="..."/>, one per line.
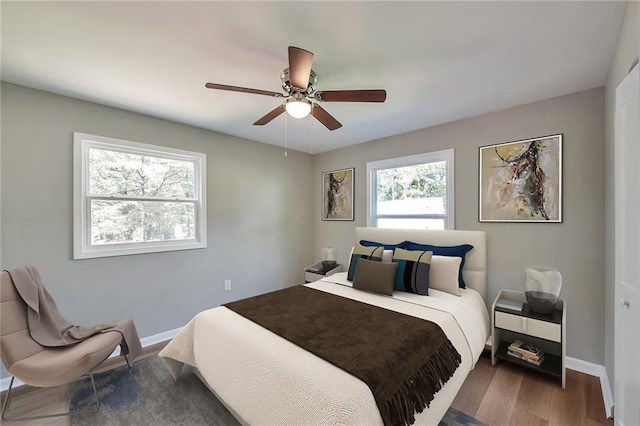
<point x="456" y="251"/>
<point x="402" y="245"/>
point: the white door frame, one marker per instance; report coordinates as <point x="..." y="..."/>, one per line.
<point x="627" y="251"/>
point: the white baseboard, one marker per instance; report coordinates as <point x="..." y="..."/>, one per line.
<point x="596" y="370"/>
<point x="489" y="341"/>
<point x="146" y="341"/>
<point x="607" y="395"/>
<point x="160" y="337"/>
<point x="585" y="367"/>
<point x="4" y="384"/>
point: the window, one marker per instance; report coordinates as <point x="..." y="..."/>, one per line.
<point x="132" y="198"/>
<point x="411" y="192"/>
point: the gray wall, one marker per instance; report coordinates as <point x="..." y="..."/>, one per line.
<point x="259" y="215"/>
<point x="574" y="246"/>
<point x="627" y="51"/>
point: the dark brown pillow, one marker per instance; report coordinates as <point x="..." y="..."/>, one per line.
<point x="377" y="277"/>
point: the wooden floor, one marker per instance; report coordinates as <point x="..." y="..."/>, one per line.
<point x="502" y="395"/>
<point x="511" y="395"/>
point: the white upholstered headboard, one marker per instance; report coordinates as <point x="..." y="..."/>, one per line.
<point x="475" y="266"/>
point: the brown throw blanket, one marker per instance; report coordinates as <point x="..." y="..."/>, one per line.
<point x="49" y="328"/>
<point x="404" y="360"/>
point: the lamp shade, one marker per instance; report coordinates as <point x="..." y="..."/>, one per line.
<point x="298" y="108"/>
<point x="542" y="286"/>
<point x="328" y="253"/>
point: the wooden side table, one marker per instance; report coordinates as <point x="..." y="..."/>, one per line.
<point x="315" y="272"/>
<point x="545" y="331"/>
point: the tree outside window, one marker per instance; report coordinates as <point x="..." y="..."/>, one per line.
<point x="138" y="197"/>
<point x="412" y="192"/>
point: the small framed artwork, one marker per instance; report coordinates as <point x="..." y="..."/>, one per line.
<point x="521" y="181"/>
<point x="337" y="195"/>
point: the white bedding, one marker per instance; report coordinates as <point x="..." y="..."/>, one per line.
<point x="266" y="380"/>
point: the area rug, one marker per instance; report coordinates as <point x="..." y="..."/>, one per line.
<point x="454" y="417"/>
<point x="147" y="395"/>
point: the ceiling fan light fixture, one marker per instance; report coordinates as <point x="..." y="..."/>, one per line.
<point x="299" y="83"/>
<point x="298" y="108"/>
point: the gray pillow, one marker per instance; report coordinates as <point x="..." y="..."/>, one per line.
<point x="377" y="277"/>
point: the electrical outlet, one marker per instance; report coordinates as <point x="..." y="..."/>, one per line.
<point x="227" y="285"/>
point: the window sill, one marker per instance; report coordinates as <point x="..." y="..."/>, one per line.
<point x="130" y="249"/>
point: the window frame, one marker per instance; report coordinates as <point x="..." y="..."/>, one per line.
<point x="411" y="160"/>
<point x="82" y="247"/>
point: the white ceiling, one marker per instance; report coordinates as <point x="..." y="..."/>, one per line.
<point x="438" y="61"/>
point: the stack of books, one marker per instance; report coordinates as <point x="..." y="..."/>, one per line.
<point x="509" y="304"/>
<point x="316" y="269"/>
<point x="526" y="352"/>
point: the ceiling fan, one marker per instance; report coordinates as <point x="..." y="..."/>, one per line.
<point x="299" y="81"/>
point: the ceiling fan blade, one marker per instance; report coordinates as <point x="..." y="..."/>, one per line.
<point x="243" y="90"/>
<point x="325" y="118"/>
<point x="377" y="95"/>
<point x="300" y="61"/>
<point x="270" y="116"/>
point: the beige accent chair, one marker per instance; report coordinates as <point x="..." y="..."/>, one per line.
<point x="41" y="366"/>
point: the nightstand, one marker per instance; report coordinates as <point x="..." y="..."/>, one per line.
<point x="315" y="272"/>
<point x="545" y="331"/>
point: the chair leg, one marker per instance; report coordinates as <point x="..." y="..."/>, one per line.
<point x="126" y="358"/>
<point x="6" y="398"/>
<point x="5" y="405"/>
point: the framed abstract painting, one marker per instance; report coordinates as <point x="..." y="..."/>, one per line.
<point x="521" y="181"/>
<point x="337" y="195"/>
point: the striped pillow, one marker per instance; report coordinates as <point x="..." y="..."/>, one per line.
<point x="412" y="275"/>
<point x="360" y="251"/>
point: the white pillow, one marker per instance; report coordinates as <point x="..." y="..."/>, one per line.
<point x="349" y="261"/>
<point x="387" y="256"/>
<point x="443" y="273"/>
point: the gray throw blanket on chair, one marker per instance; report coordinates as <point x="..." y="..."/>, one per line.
<point x="49" y="328"/>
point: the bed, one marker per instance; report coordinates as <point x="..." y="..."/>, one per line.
<point x="264" y="379"/>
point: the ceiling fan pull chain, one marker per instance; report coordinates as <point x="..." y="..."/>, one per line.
<point x="285" y="136"/>
<point x="312" y="140"/>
